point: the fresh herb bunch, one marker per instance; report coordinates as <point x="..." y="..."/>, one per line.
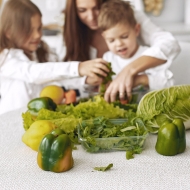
<point x="106" y="80"/>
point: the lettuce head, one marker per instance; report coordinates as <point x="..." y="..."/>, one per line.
<point x="160" y="106"/>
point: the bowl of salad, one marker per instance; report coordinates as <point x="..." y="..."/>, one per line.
<point x="102" y="134"/>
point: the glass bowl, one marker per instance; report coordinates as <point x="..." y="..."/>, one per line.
<point x="126" y="141"/>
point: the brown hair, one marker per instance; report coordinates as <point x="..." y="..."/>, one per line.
<point x="114" y="12"/>
<point x="16" y="21"/>
<point x="76" y="34"/>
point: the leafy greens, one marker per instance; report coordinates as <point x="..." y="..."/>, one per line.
<point x="101" y="134"/>
<point x="67" y="117"/>
<point x="164" y="105"/>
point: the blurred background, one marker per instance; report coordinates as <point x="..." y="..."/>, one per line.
<point x="171" y="15"/>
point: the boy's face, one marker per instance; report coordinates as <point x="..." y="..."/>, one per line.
<point x="33" y="41"/>
<point x="122" y="39"/>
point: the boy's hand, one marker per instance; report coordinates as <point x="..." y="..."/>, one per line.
<point x="92" y="67"/>
<point x="122" y="85"/>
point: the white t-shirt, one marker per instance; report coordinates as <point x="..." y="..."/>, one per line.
<point x="159" y="77"/>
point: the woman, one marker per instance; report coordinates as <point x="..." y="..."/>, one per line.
<point x="83" y="41"/>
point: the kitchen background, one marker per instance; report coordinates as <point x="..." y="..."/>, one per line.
<point x="171" y="15"/>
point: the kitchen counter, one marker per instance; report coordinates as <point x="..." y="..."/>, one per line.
<point x="148" y="170"/>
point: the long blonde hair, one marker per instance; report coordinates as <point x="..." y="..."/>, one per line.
<point x="15" y="22"/>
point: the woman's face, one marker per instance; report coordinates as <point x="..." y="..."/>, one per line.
<point x="88" y="12"/>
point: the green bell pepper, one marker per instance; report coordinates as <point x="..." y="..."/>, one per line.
<point x="36" y="104"/>
<point x="55" y="152"/>
<point x="171" y="138"/>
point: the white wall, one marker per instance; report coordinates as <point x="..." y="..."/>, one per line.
<point x="173" y="11"/>
<point x="51" y="10"/>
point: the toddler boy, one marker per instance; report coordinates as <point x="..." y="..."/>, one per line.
<point x="120" y="31"/>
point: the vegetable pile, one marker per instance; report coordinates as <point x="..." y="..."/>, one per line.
<point x="99" y="126"/>
<point x="67" y="117"/>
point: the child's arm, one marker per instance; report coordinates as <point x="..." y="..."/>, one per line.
<point x="18" y="66"/>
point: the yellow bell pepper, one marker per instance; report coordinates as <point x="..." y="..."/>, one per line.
<point x="33" y="136"/>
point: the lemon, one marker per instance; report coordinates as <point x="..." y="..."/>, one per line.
<point x="56" y="93"/>
<point x="33" y="136"/>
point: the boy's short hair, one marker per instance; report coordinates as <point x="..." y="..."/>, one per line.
<point x="114" y="12"/>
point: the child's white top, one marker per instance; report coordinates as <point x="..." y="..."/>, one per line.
<point x="22" y="79"/>
<point x="159" y="77"/>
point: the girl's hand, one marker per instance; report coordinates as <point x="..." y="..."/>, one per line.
<point x="96" y="80"/>
<point x="93" y="67"/>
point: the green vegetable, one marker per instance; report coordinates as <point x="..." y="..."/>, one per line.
<point x="35" y="105"/>
<point x="101" y="134"/>
<point x="171" y="138"/>
<point x="103" y="169"/>
<point x="67" y="117"/>
<point x="94" y="108"/>
<point x="55" y="152"/>
<point x="164" y="105"/>
<point x="106" y="80"/>
<point x="33" y="136"/>
<point x="129" y="155"/>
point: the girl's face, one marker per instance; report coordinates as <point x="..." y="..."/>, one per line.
<point x="122" y="39"/>
<point x="88" y="12"/>
<point x="33" y="41"/>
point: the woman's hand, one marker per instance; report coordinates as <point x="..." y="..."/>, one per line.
<point x="94" y="67"/>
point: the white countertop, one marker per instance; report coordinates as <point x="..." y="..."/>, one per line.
<point x="148" y="170"/>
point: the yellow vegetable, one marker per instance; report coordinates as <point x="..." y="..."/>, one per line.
<point x="33" y="136"/>
<point x="56" y="93"/>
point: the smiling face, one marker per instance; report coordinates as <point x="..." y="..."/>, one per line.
<point x="88" y="12"/>
<point x="33" y="41"/>
<point x="122" y="39"/>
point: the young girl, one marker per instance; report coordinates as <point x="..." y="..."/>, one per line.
<point x="21" y="48"/>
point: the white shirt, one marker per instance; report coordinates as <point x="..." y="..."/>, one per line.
<point x="163" y="46"/>
<point x="23" y="79"/>
<point x="159" y="77"/>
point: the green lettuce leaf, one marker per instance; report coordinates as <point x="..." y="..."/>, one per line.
<point x="159" y="106"/>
